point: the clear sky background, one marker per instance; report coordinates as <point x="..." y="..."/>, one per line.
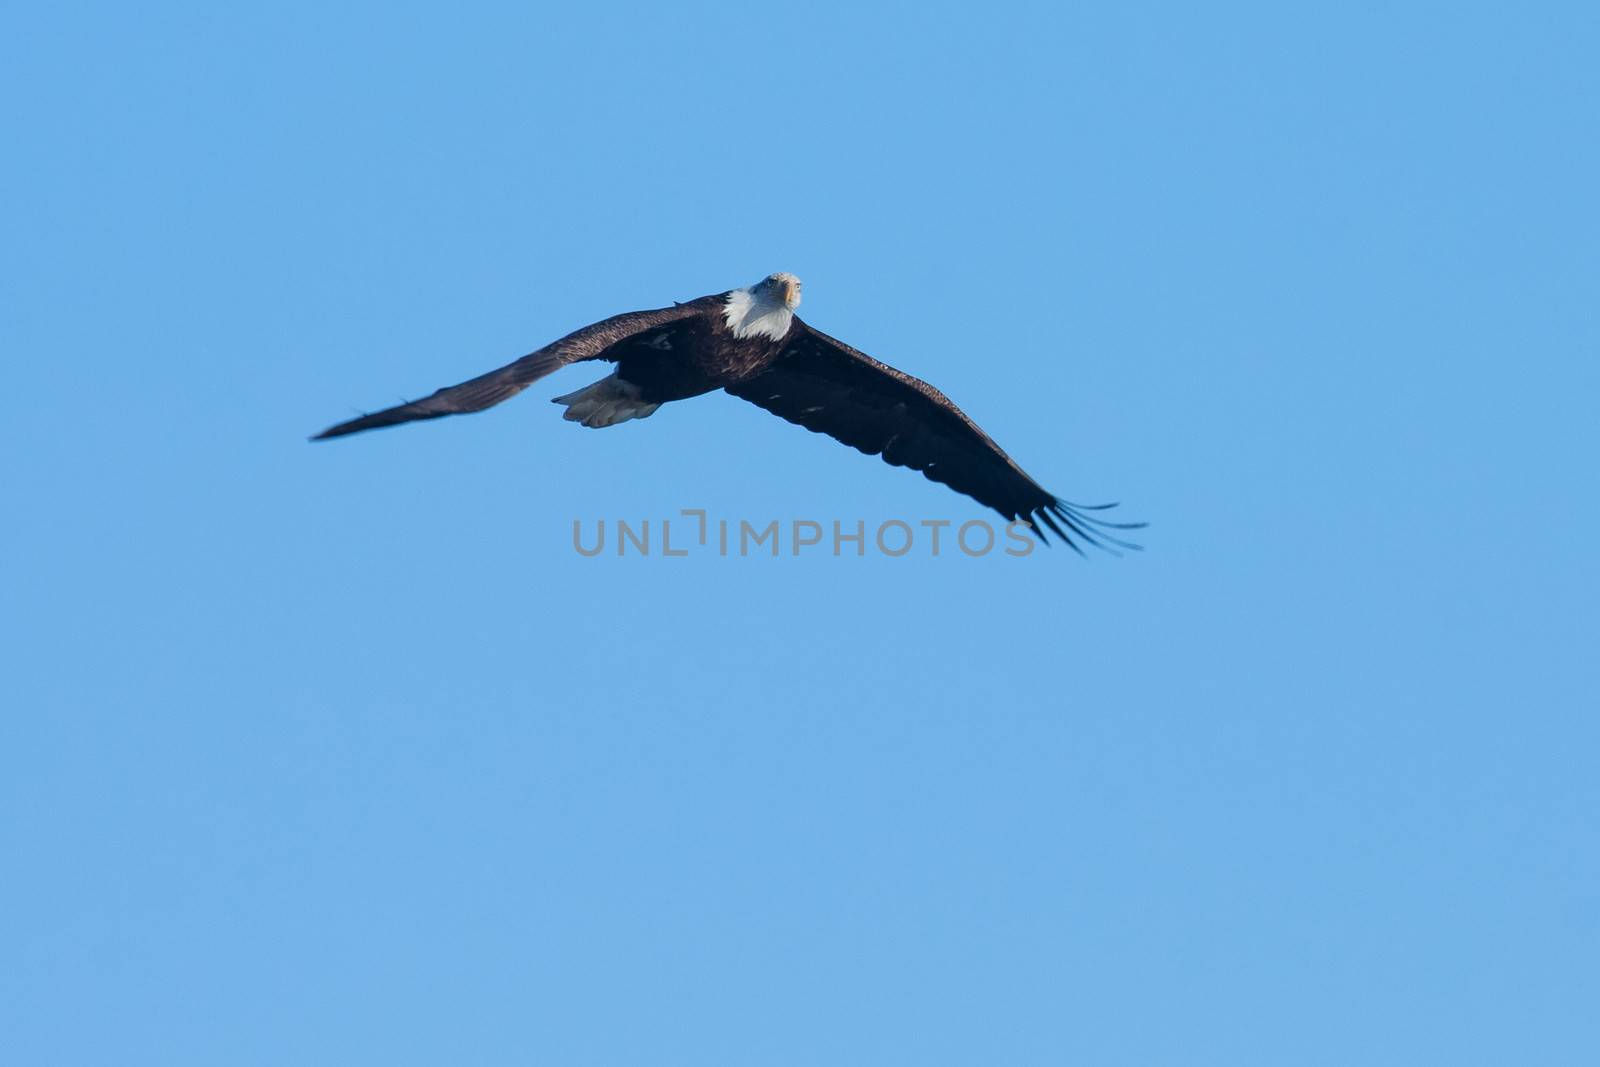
<point x="338" y="754"/>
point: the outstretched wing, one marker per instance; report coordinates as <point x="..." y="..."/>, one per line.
<point x="828" y="387"/>
<point x="487" y="390"/>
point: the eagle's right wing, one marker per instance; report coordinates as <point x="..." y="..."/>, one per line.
<point x="487" y="390"/>
<point x="823" y="384"/>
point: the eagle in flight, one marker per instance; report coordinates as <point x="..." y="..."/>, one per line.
<point x="750" y="343"/>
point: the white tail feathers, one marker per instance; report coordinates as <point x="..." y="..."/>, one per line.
<point x="605" y="403"/>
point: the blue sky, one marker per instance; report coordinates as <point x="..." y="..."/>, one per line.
<point x="340" y="754"/>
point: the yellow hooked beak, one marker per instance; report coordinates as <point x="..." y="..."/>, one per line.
<point x="791" y="293"/>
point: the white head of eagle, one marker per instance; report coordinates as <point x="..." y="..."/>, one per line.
<point x="765" y="308"/>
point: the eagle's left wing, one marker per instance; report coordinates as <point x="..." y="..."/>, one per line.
<point x="487" y="390"/>
<point x="828" y="387"/>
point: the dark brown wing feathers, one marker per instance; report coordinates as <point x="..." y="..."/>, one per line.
<point x="828" y="387"/>
<point x="487" y="390"/>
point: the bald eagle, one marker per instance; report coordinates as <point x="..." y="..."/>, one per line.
<point x="750" y="343"/>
